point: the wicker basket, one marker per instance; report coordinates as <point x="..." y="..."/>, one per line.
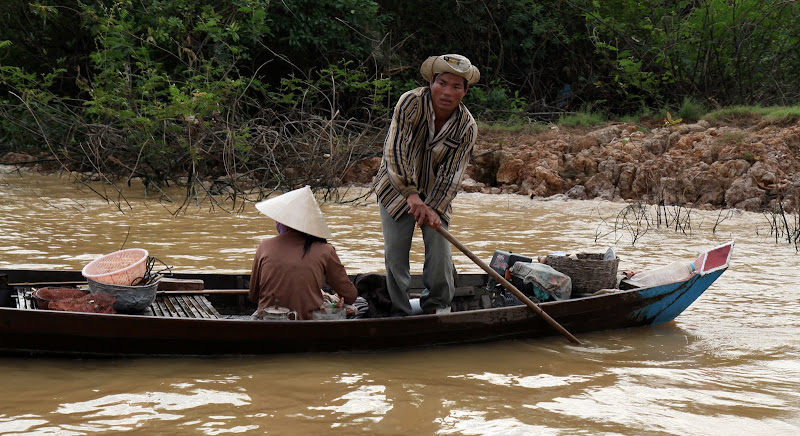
<point x="118" y="268"/>
<point x="128" y="299"/>
<point x="589" y="272"/>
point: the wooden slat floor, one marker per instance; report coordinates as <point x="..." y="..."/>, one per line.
<point x="169" y="306"/>
<point x="182" y="306"/>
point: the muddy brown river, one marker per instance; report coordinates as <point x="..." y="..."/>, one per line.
<point x="729" y="365"/>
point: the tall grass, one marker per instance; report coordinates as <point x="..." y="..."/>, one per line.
<point x="779" y="114"/>
<point x="583" y="118"/>
<point x="690" y="111"/>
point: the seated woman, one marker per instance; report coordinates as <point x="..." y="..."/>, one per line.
<point x="289" y="269"/>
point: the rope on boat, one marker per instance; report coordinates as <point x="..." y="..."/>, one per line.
<point x="149" y="275"/>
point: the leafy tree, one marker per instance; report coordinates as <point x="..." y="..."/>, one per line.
<point x="721" y="51"/>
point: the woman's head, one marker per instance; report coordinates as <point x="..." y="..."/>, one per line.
<point x="298" y="210"/>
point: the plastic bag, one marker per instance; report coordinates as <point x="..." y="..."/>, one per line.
<point x="673" y="273"/>
<point x="547" y="282"/>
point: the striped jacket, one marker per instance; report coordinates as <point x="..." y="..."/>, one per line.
<point x="414" y="161"/>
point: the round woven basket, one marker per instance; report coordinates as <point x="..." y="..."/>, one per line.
<point x="127" y="299"/>
<point x="589" y="272"/>
<point x="118" y="268"/>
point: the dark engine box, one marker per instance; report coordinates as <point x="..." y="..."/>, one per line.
<point x="502" y="260"/>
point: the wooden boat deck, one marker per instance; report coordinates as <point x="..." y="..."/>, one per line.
<point x="165" y="306"/>
<point x="182" y="306"/>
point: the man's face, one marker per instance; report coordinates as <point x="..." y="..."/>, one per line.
<point x="447" y="91"/>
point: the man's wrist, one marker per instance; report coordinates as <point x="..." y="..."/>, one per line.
<point x="409" y="191"/>
<point x="414" y="199"/>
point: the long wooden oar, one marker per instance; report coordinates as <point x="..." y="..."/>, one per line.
<point x="522" y="297"/>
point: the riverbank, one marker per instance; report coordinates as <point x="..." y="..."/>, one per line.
<point x="751" y="164"/>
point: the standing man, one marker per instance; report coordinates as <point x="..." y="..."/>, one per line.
<point x="427" y="149"/>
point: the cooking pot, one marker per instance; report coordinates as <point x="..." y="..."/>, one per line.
<point x="277" y="313"/>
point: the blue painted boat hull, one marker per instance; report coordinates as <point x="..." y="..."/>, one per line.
<point x="664" y="303"/>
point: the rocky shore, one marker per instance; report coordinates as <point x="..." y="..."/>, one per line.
<point x="697" y="165"/>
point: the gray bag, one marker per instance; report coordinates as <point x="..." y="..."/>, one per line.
<point x="547" y="282"/>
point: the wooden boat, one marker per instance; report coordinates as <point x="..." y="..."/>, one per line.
<point x="215" y="321"/>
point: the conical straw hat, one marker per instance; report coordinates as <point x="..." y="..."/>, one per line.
<point x="299" y="210"/>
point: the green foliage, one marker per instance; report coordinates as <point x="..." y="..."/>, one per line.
<point x="534" y="47"/>
<point x="28" y="94"/>
<point x="643" y="115"/>
<point x="632" y="40"/>
<point x="339" y="89"/>
<point x="732" y="112"/>
<point x="31" y="87"/>
<point x="496" y="102"/>
<point x="176" y="87"/>
<point x="783" y="114"/>
<point x="325" y="28"/>
<point x="169" y="68"/>
<point x="728" y="52"/>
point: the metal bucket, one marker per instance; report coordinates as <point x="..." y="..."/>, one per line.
<point x="128" y="299"/>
